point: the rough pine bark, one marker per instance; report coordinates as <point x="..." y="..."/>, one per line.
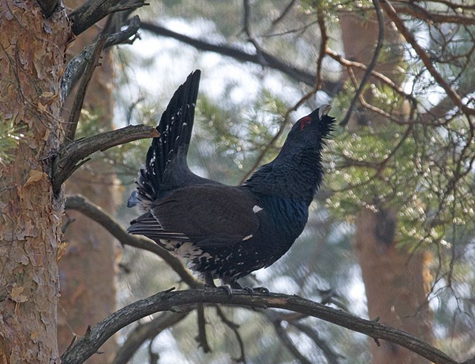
<point x="88" y="268"/>
<point x="32" y="51"/>
<point x="396" y="282"/>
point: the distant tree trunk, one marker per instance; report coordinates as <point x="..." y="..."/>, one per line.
<point x="88" y="269"/>
<point x="31" y="64"/>
<point x="395" y="282"/>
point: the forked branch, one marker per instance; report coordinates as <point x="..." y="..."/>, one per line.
<point x="169" y="301"/>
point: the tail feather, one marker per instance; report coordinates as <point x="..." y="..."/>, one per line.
<point x="165" y="166"/>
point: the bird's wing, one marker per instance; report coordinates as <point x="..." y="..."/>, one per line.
<point x="207" y="215"/>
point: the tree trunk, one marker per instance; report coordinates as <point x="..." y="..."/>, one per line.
<point x="31" y="65"/>
<point x="87" y="270"/>
<point x="396" y="282"/>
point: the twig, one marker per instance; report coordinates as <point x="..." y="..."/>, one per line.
<point x="419" y="12"/>
<point x="247" y="29"/>
<point x="323" y="47"/>
<point x="289" y="7"/>
<point x="71" y="156"/>
<point x="201" y="338"/>
<point x="164" y="301"/>
<point x="371" y="66"/>
<point x="145" y="332"/>
<point x="318" y="85"/>
<point x="94" y="212"/>
<point x="331" y="357"/>
<point x="270" y="61"/>
<point x="76" y="66"/>
<point x="347" y="63"/>
<point x="450" y="91"/>
<point x="276" y="137"/>
<point x="234" y="327"/>
<point x="91" y="63"/>
<point x="282" y="334"/>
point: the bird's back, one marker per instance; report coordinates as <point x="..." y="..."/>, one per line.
<point x="224" y="231"/>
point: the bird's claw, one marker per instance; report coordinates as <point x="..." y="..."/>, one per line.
<point x="228" y="290"/>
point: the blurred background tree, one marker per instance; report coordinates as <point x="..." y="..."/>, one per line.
<point x="391" y="234"/>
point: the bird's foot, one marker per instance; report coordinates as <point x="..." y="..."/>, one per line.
<point x="261" y="290"/>
<point x="227" y="289"/>
<point x="249" y="290"/>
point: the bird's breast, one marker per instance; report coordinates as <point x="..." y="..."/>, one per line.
<point x="287" y="217"/>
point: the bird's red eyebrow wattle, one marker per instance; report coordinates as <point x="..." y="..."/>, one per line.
<point x="304" y="122"/>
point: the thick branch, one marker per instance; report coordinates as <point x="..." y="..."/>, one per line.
<point x="262" y="58"/>
<point x="71" y="156"/>
<point x="94" y="212"/>
<point x="92" y="11"/>
<point x="145" y="332"/>
<point x="48" y="7"/>
<point x="76" y="66"/>
<point x="166" y="301"/>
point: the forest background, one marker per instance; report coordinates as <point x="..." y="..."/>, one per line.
<point x="390" y="236"/>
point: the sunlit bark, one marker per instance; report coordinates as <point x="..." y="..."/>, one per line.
<point x="32" y="52"/>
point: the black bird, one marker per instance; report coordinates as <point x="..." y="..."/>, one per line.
<point x="224" y="231"/>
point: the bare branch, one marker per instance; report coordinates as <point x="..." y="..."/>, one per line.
<point x="76" y="66"/>
<point x="317" y="85"/>
<point x="277" y="135"/>
<point x="450" y="91"/>
<point x="264" y="59"/>
<point x="234" y="327"/>
<point x="70" y="130"/>
<point x="94" y="212"/>
<point x="285" y="339"/>
<point x="201" y="338"/>
<point x="418" y="12"/>
<point x="48" y="7"/>
<point x="145" y="332"/>
<point x="372" y="64"/>
<point x="323" y="47"/>
<point x="71" y="156"/>
<point x="165" y="301"/>
<point x="347" y="63"/>
<point x="284" y="13"/>
<point x="92" y="11"/>
<point x="331" y="357"/>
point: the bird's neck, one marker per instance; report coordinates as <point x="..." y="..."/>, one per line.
<point x="294" y="174"/>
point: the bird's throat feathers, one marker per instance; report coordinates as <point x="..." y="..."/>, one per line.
<point x="296" y="173"/>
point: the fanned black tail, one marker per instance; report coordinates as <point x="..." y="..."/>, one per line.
<point x="165" y="167"/>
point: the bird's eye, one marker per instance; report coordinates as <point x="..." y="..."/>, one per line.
<point x="305" y="122"/>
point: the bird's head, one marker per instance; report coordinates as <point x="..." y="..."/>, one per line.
<point x="311" y="130"/>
